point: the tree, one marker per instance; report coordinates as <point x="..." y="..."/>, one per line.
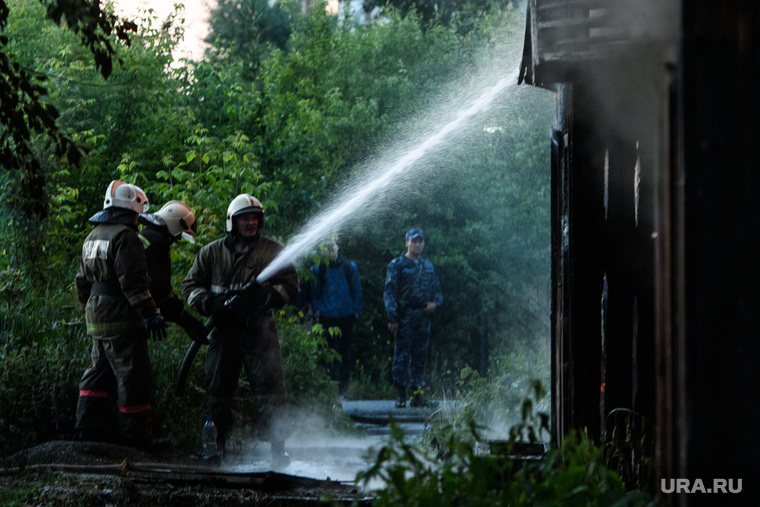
<point x="241" y="30"/>
<point x="463" y="13"/>
<point x="294" y="134"/>
<point x="23" y="109"/>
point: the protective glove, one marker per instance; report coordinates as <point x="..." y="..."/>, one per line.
<point x="265" y="295"/>
<point x="155" y="327"/>
<point x="216" y="305"/>
<point x="244" y="300"/>
<point x="197" y="332"/>
<point x="194" y="328"/>
<point x="233" y="301"/>
<point x="256" y="298"/>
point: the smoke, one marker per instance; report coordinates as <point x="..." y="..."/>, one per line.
<point x="316" y="450"/>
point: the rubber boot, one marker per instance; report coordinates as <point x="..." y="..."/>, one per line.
<point x="400" y="396"/>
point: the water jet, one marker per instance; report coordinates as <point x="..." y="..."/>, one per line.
<point x="360" y="196"/>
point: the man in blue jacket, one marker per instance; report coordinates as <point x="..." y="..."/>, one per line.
<point x="336" y="300"/>
<point x="412" y="293"/>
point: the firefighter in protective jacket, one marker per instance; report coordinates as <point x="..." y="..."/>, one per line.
<point x="174" y="221"/>
<point x="112" y="287"/>
<point x="244" y="330"/>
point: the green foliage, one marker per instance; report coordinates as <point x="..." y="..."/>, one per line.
<point x="40" y="392"/>
<point x="313" y="116"/>
<point x="312" y="395"/>
<point x="629" y="448"/>
<point x="450" y="12"/>
<point x="501" y="405"/>
<point x="241" y="31"/>
<point x="26" y="111"/>
<point x="462" y="468"/>
<point x="305" y="351"/>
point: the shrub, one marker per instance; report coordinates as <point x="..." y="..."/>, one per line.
<point x="464" y="469"/>
<point x="40" y="384"/>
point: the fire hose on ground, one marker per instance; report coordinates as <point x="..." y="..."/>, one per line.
<point x="184" y="370"/>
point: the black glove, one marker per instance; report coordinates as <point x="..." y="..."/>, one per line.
<point x="197" y="332"/>
<point x="194" y="328"/>
<point x="255" y="298"/>
<point x="155" y="327"/>
<point x="216" y="305"/>
<point x="265" y="295"/>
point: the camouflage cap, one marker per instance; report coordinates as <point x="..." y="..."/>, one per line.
<point x="415" y="233"/>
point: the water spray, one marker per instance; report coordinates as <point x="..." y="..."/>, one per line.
<point x="363" y="192"/>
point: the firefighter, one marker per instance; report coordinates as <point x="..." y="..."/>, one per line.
<point x="112" y="288"/>
<point x="174" y="221"/>
<point x="244" y="331"/>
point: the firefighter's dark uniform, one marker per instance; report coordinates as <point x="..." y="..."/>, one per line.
<point x="246" y="337"/>
<point x="112" y="286"/>
<point x="157" y="242"/>
<point x="409" y="285"/>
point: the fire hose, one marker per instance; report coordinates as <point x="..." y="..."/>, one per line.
<point x="184" y="370"/>
<point x="192" y="350"/>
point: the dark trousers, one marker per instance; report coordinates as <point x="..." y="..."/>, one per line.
<point x="120" y="372"/>
<point x="257" y="349"/>
<point x="410" y="349"/>
<point x="340" y="371"/>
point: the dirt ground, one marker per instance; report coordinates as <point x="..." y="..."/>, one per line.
<point x="93" y="474"/>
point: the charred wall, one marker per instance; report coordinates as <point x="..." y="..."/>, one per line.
<point x="719" y="331"/>
<point x="654" y="220"/>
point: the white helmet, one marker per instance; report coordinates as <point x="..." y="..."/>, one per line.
<point x="125" y="195"/>
<point x="178" y="218"/>
<point x="244" y="203"/>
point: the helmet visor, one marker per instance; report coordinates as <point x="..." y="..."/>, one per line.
<point x="189" y="232"/>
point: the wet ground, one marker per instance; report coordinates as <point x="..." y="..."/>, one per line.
<point x="93" y="473"/>
<point x="338" y="458"/>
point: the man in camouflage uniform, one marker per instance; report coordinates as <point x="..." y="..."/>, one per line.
<point x="112" y="287"/>
<point x="412" y="293"/>
<point x="219" y="285"/>
<point x="175" y="220"/>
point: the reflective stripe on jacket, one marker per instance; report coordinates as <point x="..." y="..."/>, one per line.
<point x="113" y="255"/>
<point x="217" y="269"/>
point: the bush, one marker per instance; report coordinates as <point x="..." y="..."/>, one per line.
<point x="39" y="394"/>
<point x="40" y="384"/>
<point x="462" y="468"/>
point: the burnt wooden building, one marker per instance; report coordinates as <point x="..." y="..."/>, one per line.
<point x="655" y="227"/>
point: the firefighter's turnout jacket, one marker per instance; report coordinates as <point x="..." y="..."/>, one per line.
<point x="157" y="242"/>
<point x="218" y="269"/>
<point x="112" y="282"/>
<point x="112" y="286"/>
<point x="248" y="338"/>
